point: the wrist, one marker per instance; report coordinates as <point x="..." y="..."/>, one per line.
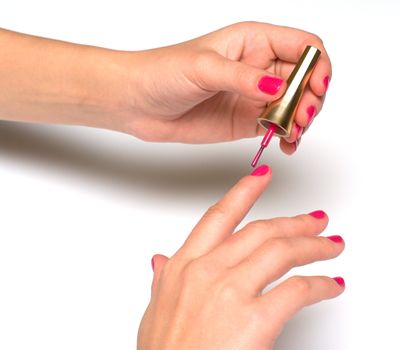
<point x="101" y="84"/>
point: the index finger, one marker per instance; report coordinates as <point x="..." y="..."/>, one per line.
<point x="221" y="219"/>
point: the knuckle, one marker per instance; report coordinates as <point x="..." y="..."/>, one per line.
<point x="197" y="271"/>
<point x="256" y="225"/>
<point x="305" y="224"/>
<point x="201" y="61"/>
<point x="300" y="285"/>
<point x="216" y="211"/>
<point x="228" y="294"/>
<point x="244" y="25"/>
<point x="267" y="226"/>
<point x="314" y="38"/>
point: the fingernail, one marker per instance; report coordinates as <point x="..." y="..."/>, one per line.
<point x="152" y="263"/>
<point x="299" y="131"/>
<point x="327" y="79"/>
<point x="270" y="85"/>
<point x="318" y="214"/>
<point x="336" y="239"/>
<point x="311" y="110"/>
<point x="340" y="281"/>
<point x="261" y="170"/>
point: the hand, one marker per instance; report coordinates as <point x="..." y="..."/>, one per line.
<point x="208" y="295"/>
<point x="212" y="88"/>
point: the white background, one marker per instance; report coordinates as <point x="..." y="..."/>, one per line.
<point x="82" y="211"/>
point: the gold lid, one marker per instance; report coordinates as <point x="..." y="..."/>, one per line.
<point x="281" y="112"/>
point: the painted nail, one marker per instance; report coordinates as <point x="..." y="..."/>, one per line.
<point x="318" y="214"/>
<point x="327" y="80"/>
<point x="336" y="239"/>
<point x="261" y="170"/>
<point x="270" y="85"/>
<point x="152" y="263"/>
<point x="311" y="111"/>
<point x="340" y="281"/>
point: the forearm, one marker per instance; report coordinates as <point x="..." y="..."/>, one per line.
<point x="44" y="80"/>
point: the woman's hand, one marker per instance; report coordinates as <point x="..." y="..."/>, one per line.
<point x="209" y="89"/>
<point x="208" y="295"/>
<point x="212" y="88"/>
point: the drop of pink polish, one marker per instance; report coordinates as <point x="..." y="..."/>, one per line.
<point x="264" y="143"/>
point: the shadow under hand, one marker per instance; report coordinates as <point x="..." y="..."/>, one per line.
<point x="120" y="161"/>
<point x="171" y="172"/>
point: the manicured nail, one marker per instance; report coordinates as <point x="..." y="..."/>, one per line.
<point x="261" y="170"/>
<point x="340" y="281"/>
<point x="336" y="239"/>
<point x="327" y="79"/>
<point x="270" y="85"/>
<point x="311" y="111"/>
<point x="152" y="263"/>
<point x="318" y="214"/>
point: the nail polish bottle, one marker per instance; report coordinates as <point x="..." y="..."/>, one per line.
<point x="278" y="116"/>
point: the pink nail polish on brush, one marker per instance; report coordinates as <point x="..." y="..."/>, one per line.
<point x="278" y="116"/>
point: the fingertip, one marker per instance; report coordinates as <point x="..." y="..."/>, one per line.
<point x="287" y="148"/>
<point x="315" y="226"/>
<point x="340" y="282"/>
<point x="318" y="214"/>
<point x="321" y="76"/>
<point x="270" y="87"/>
<point x="261" y="170"/>
<point x="320" y="82"/>
<point x="319" y="217"/>
<point x="157" y="261"/>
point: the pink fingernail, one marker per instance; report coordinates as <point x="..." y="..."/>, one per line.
<point x="152" y="263"/>
<point x="327" y="80"/>
<point x="270" y="85"/>
<point x="261" y="170"/>
<point x="336" y="239"/>
<point x="318" y="214"/>
<point x="311" y="111"/>
<point x="340" y="281"/>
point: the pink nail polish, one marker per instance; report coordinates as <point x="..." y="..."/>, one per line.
<point x="152" y="263"/>
<point x="270" y="85"/>
<point x="340" y="281"/>
<point x="261" y="170"/>
<point x="318" y="214"/>
<point x="311" y="111"/>
<point x="336" y="239"/>
<point x="327" y="80"/>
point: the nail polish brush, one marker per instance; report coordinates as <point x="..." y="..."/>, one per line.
<point x="277" y="118"/>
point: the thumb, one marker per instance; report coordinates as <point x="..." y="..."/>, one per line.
<point x="217" y="73"/>
<point x="157" y="263"/>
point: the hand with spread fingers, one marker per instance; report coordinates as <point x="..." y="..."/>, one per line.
<point x="208" y="295"/>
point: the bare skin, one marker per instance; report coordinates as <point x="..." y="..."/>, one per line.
<point x="208" y="295"/>
<point x="200" y="91"/>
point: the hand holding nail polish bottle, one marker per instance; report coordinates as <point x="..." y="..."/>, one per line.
<point x="278" y="117"/>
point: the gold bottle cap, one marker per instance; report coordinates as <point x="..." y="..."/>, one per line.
<point x="281" y="112"/>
